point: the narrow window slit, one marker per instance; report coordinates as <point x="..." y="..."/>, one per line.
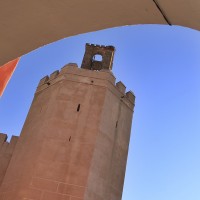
<point x="78" y="108"/>
<point x="116" y="124"/>
<point x="48" y="83"/>
<point x="70" y="138"/>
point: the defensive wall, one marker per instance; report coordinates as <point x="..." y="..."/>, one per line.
<point x="6" y="151"/>
<point x="74" y="142"/>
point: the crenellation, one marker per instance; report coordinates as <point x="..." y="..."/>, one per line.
<point x="94" y="77"/>
<point x="3" y="138"/>
<point x="109" y="47"/>
<point x="7" y="147"/>
<point x="6" y="151"/>
<point x="54" y="75"/>
<point x="112" y="48"/>
<point x="13" y="142"/>
<point x="46" y="81"/>
<point x="130" y="95"/>
<point x="121" y="87"/>
<point x="43" y="81"/>
<point x="67" y="67"/>
<point x="72" y="69"/>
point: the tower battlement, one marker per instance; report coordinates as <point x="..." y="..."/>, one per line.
<point x="105" y="52"/>
<point x="6" y="151"/>
<point x="5" y="146"/>
<point x="94" y="78"/>
<point x="74" y="142"/>
<point x="109" y="47"/>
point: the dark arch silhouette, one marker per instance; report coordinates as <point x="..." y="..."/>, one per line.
<point x="28" y="25"/>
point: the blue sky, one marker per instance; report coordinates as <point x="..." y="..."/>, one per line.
<point x="161" y="64"/>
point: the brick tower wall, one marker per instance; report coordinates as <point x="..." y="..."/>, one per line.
<point x="74" y="142"/>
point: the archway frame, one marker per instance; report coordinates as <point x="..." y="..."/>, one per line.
<point x="28" y="25"/>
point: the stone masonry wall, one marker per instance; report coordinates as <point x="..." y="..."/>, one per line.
<point x="75" y="139"/>
<point x="6" y="151"/>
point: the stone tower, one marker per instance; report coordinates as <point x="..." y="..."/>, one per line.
<point x="74" y="142"/>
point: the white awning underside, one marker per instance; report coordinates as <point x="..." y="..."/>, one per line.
<point x="28" y="24"/>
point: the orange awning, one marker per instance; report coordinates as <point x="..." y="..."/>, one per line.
<point x="6" y="72"/>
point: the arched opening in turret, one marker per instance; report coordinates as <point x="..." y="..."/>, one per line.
<point x="97" y="57"/>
